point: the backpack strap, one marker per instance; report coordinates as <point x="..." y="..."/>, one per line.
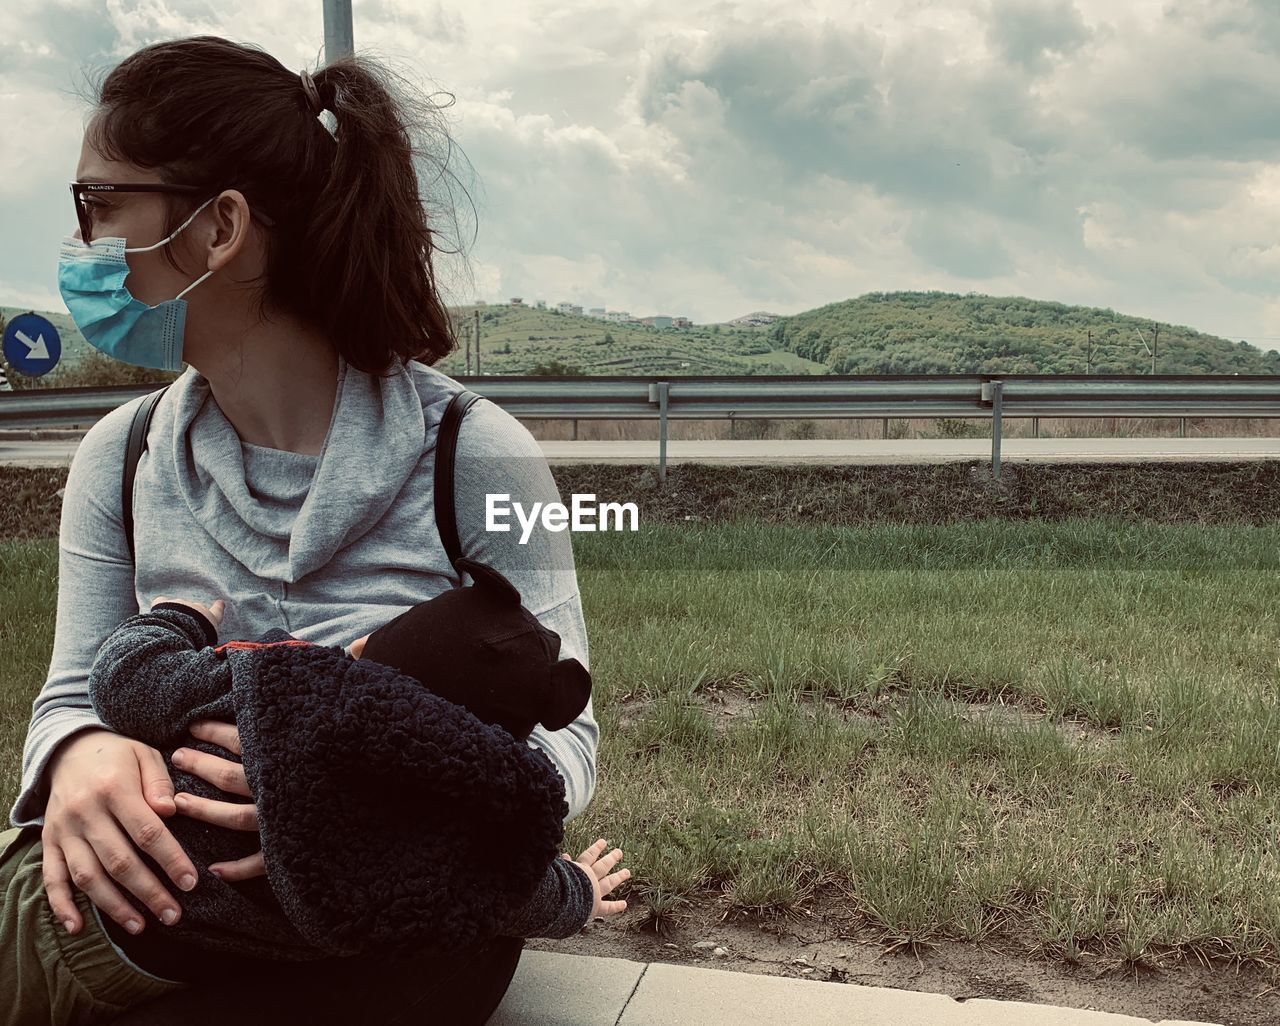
<point x="446" y="446"/>
<point x="137" y="443"/>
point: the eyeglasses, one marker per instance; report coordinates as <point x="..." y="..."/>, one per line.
<point x="79" y="189"/>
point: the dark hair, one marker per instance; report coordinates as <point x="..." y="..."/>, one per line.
<point x="351" y="250"/>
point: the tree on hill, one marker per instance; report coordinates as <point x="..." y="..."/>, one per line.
<point x="556" y="367"/>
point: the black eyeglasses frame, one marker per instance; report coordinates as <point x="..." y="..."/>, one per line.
<point x="79" y="189"/>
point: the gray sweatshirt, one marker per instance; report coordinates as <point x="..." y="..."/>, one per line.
<point x="327" y="547"/>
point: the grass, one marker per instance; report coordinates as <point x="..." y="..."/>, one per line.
<point x="1066" y="732"/>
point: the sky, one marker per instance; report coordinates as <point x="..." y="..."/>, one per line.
<point x="709" y="159"/>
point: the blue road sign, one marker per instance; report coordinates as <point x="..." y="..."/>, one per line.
<point x="32" y="345"/>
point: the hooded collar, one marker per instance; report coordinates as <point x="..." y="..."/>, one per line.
<point x="284" y="515"/>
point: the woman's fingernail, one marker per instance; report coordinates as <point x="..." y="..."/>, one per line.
<point x="180" y="802"/>
<point x="133" y="926"/>
<point x="217" y="873"/>
<point x="69" y="926"/>
<point x="187" y="882"/>
<point x="179" y="758"/>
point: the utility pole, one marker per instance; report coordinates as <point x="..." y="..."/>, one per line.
<point x="1155" y="346"/>
<point x="467" y="335"/>
<point x="339" y="39"/>
<point x="477" y="313"/>
<point x="1088" y="356"/>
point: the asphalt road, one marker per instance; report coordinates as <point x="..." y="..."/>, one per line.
<point x="18" y="451"/>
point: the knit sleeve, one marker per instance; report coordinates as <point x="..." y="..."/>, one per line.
<point x="156" y="674"/>
<point x="560" y="907"/>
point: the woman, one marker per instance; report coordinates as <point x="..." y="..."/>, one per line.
<point x="289" y="471"/>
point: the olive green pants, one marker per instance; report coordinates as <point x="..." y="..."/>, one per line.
<point x="46" y="974"/>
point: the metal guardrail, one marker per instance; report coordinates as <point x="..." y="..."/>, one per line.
<point x="849" y="397"/>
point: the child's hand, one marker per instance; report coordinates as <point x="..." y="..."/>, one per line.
<point x="214" y="612"/>
<point x="602" y="881"/>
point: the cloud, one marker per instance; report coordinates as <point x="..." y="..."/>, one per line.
<point x="710" y="158"/>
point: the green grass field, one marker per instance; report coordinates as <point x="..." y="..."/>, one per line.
<point x="1069" y="732"/>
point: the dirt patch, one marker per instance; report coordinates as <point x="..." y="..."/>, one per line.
<point x="818" y="947"/>
<point x="727" y="705"/>
<point x="1225" y="492"/>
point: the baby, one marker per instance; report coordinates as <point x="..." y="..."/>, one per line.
<point x="430" y="711"/>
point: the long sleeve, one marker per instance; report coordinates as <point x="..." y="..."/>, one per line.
<point x="95" y="593"/>
<point x="560" y="907"/>
<point x="156" y="674"/>
<point x="497" y="455"/>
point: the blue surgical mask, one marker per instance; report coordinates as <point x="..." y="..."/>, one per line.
<point x="91" y="278"/>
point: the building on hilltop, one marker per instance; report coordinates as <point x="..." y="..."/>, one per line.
<point x="681" y="322"/>
<point x="596" y="311"/>
<point x="517" y="301"/>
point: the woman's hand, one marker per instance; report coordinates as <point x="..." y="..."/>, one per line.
<point x="602" y="882"/>
<point x="100" y="782"/>
<point x="225" y="775"/>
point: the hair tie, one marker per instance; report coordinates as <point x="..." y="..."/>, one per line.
<point x="313" y="94"/>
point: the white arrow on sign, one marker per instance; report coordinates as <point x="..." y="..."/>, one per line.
<point x="36" y="350"/>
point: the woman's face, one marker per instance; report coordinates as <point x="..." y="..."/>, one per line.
<point x="138" y="218"/>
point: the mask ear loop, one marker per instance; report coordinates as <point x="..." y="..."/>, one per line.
<point x="176" y="231"/>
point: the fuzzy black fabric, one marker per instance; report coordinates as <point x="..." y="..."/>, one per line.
<point x="387" y="813"/>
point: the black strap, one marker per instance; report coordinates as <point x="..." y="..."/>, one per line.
<point x="137" y="443"/>
<point x="446" y="446"/>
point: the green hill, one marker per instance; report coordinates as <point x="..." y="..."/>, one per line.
<point x="945" y="333"/>
<point x="877" y="333"/>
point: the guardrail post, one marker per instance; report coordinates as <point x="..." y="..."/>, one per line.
<point x="1035" y="427"/>
<point x="884" y="428"/>
<point x="658" y="392"/>
<point x="993" y="392"/>
<point x="575" y="429"/>
<point x="1182" y="427"/>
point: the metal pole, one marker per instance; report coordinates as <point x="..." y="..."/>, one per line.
<point x="659" y="392"/>
<point x="884" y="428"/>
<point x="477" y="312"/>
<point x="1035" y="427"/>
<point x="339" y="39"/>
<point x="997" y="401"/>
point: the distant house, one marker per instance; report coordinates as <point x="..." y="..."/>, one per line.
<point x="575" y="308"/>
<point x="481" y="302"/>
<point x="596" y="311"/>
<point x="517" y="301"/>
<point x="681" y="322"/>
<point x="661" y="321"/>
<point x="565" y="307"/>
<point x="541" y="304"/>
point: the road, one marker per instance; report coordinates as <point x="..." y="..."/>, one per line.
<point x="17" y="451"/>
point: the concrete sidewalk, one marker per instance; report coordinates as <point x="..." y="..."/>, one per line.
<point x="551" y="989"/>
